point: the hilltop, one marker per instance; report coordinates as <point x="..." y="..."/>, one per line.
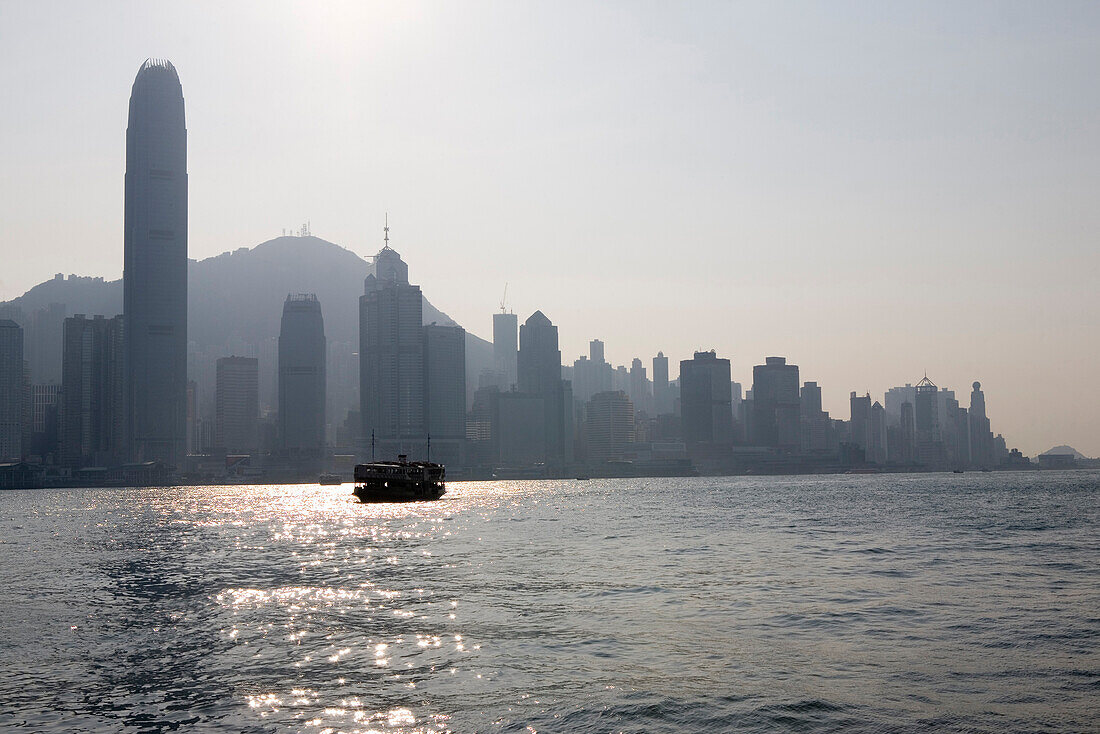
<point x="238" y="296"/>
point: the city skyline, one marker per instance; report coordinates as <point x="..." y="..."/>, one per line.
<point x="977" y="302"/>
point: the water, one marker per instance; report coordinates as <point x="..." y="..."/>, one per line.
<point x="856" y="603"/>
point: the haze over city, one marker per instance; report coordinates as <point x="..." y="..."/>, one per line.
<point x="873" y="192"/>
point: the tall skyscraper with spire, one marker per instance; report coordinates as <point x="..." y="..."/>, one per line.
<point x="391" y="359"/>
<point x="155" y="267"/>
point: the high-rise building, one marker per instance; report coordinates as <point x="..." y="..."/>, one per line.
<point x="11" y="390"/>
<point x="929" y="437"/>
<point x="776" y="405"/>
<point x="391" y="359"/>
<point x="93" y="403"/>
<point x="539" y="373"/>
<point x="302" y="376"/>
<point x="662" y="397"/>
<point x="155" y="268"/>
<point x="639" y="388"/>
<point x="816" y="426"/>
<point x="981" y="437"/>
<point x="237" y="405"/>
<point x="609" y="425"/>
<point x="505" y="348"/>
<point x="445" y="391"/>
<point x="860" y="422"/>
<point x="705" y="399"/>
<point x="877" y="449"/>
<point x="45" y="426"/>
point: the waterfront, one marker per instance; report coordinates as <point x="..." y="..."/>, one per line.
<point x="886" y="603"/>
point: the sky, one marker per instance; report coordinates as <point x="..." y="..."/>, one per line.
<point x="873" y="190"/>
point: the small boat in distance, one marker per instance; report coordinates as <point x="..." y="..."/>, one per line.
<point x="330" y="479"/>
<point x="399" y="481"/>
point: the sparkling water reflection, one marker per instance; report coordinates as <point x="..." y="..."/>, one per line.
<point x="826" y="603"/>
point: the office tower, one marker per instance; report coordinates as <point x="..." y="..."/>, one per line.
<point x="609" y="426"/>
<point x="155" y="269"/>
<point x="505" y="350"/>
<point x="705" y="400"/>
<point x="302" y="376"/>
<point x="981" y="438"/>
<point x="445" y="391"/>
<point x="391" y="359"/>
<point x="11" y="391"/>
<point x="639" y="387"/>
<point x="860" y="422"/>
<point x="662" y="397"/>
<point x="928" y="436"/>
<point x="776" y="405"/>
<point x="237" y="405"/>
<point x="539" y="374"/>
<point x="877" y="448"/>
<point x="815" y="421"/>
<point x="93" y="428"/>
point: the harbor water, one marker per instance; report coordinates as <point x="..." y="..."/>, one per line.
<point x="840" y="603"/>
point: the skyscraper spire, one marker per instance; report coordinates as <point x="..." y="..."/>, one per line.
<point x="386" y="230"/>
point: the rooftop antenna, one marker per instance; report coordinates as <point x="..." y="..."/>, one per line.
<point x="503" y="298"/>
<point x="386" y="230"/>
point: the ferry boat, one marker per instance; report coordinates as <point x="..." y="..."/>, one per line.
<point x="399" y="481"/>
<point x="330" y="479"/>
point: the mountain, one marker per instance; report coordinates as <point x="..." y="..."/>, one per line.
<point x="237" y="297"/>
<point x="1063" y="449"/>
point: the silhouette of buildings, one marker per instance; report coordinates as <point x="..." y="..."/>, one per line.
<point x="93" y="392"/>
<point x="11" y="390"/>
<point x="237" y="405"/>
<point x="302" y="377"/>
<point x="776" y="417"/>
<point x="155" y="268"/>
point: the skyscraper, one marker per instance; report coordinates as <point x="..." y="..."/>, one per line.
<point x="505" y="350"/>
<point x="609" y="426"/>
<point x="662" y="397"/>
<point x="391" y="358"/>
<point x="11" y="390"/>
<point x="705" y="399"/>
<point x="92" y="398"/>
<point x="445" y="391"/>
<point x="155" y="267"/>
<point x="639" y="387"/>
<point x="539" y="372"/>
<point x="237" y="405"/>
<point x="302" y="376"/>
<point x="776" y="404"/>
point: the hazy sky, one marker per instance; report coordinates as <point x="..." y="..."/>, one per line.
<point x="870" y="189"/>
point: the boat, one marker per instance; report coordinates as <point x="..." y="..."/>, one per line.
<point x="957" y="471"/>
<point x="330" y="479"/>
<point x="399" y="481"/>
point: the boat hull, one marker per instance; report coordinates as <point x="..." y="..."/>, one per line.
<point x="366" y="494"/>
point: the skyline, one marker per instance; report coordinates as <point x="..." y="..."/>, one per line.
<point x="777" y="299"/>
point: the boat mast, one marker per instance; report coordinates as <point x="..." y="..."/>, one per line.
<point x="372" y="445"/>
<point x="429" y="448"/>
